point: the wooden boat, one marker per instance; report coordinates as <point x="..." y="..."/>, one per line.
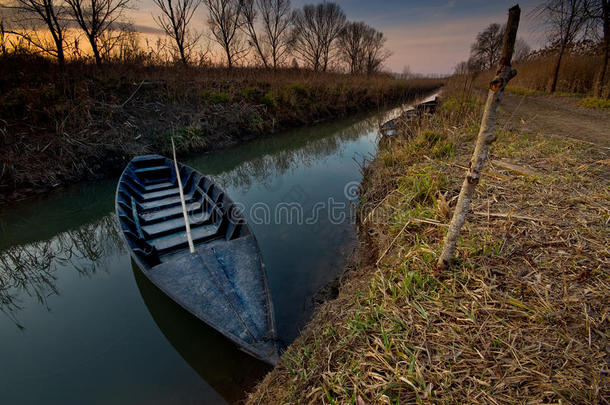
<point x="223" y="282"/>
<point x="427" y="106"/>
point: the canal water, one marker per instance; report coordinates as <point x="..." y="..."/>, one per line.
<point x="80" y="324"/>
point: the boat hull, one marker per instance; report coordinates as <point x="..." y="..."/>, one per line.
<point x="223" y="283"/>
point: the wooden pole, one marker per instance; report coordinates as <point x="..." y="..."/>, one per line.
<point x="189" y="237"/>
<point x="485" y="138"/>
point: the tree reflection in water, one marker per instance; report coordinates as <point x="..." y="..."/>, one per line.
<point x="230" y="371"/>
<point x="30" y="270"/>
<point x="261" y="161"/>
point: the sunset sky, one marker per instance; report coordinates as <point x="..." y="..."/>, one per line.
<point x="430" y="36"/>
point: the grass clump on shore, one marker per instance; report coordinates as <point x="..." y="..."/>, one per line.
<point x="594" y="102"/>
<point x="522" y="316"/>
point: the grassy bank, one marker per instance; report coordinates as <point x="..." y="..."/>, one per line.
<point x="60" y="127"/>
<point x="521" y="317"/>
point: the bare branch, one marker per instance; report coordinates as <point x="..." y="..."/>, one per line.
<point x="315" y="31"/>
<point x="225" y="20"/>
<point x="174" y="20"/>
<point x="97" y="18"/>
<point x="485" y="138"/>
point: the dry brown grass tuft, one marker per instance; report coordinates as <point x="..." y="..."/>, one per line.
<point x="523" y="315"/>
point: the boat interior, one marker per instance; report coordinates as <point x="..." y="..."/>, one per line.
<point x="150" y="210"/>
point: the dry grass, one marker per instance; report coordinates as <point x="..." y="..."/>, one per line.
<point x="521" y="318"/>
<point x="594" y="102"/>
<point x="578" y="75"/>
<point x="58" y="127"/>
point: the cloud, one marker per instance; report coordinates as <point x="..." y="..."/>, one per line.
<point x="439" y="43"/>
<point x="147" y="29"/>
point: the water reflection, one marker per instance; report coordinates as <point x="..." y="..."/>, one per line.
<point x="267" y="159"/>
<point x="92" y="334"/>
<point x="29" y="270"/>
<point x="219" y="362"/>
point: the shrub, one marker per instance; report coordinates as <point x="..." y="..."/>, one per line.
<point x="270" y="100"/>
<point x="594" y="102"/>
<point x="215" y="97"/>
<point x="251" y="93"/>
<point x="298" y="89"/>
<point x="578" y="74"/>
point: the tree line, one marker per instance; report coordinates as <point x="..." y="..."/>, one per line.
<point x="570" y="25"/>
<point x="266" y="33"/>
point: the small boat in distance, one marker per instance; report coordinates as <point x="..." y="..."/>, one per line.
<point x="411" y="114"/>
<point x="222" y="281"/>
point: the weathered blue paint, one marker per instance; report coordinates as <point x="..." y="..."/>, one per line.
<point x="224" y="282"/>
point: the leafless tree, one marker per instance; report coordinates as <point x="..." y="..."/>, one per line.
<point x="487" y="46"/>
<point x="276" y="20"/>
<point x="225" y="19"/>
<point x="351" y="45"/>
<point x="32" y="15"/>
<point x="249" y="15"/>
<point x="174" y="20"/>
<point x="362" y="47"/>
<point x="407" y="73"/>
<point x="522" y="50"/>
<point x="485" y="51"/>
<point x="98" y="19"/>
<point x="316" y="27"/>
<point x="374" y="52"/>
<point x="599" y="15"/>
<point x="565" y="21"/>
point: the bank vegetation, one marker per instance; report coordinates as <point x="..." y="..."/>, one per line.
<point x="63" y="124"/>
<point x="522" y="314"/>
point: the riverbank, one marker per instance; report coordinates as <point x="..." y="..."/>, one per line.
<point x="61" y="257"/>
<point x="86" y="123"/>
<point x="523" y="313"/>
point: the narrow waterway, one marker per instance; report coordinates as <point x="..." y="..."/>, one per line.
<point x="80" y="324"/>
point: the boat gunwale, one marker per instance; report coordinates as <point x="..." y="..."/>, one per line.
<point x="145" y="268"/>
